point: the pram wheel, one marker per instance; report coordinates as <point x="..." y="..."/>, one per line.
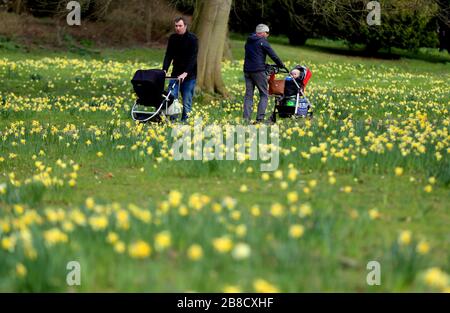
<point x="273" y="118"/>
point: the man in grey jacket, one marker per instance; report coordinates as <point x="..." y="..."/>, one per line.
<point x="256" y="49"/>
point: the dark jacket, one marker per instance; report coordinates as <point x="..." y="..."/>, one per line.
<point x="183" y="51"/>
<point x="256" y="50"/>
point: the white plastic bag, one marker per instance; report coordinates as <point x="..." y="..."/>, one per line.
<point x="175" y="108"/>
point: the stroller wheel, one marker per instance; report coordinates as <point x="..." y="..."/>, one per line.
<point x="273" y="118"/>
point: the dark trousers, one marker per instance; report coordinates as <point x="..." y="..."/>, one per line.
<point x="258" y="79"/>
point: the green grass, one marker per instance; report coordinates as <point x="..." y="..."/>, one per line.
<point x="374" y="115"/>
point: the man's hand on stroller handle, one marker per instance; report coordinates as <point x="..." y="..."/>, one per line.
<point x="273" y="68"/>
<point x="182" y="76"/>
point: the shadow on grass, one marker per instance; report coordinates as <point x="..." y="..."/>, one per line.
<point x="339" y="47"/>
<point x="383" y="54"/>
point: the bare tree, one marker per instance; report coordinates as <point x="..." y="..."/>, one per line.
<point x="152" y="11"/>
<point x="15" y="6"/>
<point x="18" y="6"/>
<point x="100" y="8"/>
<point x="149" y="10"/>
<point x="444" y="24"/>
<point x="94" y="10"/>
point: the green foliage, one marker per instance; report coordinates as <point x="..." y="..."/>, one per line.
<point x="8" y="44"/>
<point x="400" y="28"/>
<point x="404" y="24"/>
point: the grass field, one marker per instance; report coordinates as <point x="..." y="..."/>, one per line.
<point x="367" y="179"/>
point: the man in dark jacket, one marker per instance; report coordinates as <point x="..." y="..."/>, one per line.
<point x="256" y="49"/>
<point x="182" y="49"/>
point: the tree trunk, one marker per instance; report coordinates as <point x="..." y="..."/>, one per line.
<point x="297" y="38"/>
<point x="102" y="9"/>
<point x="148" y="31"/>
<point x="210" y="23"/>
<point x="227" y="52"/>
<point x="444" y="25"/>
<point x="18" y="6"/>
<point x="59" y="32"/>
<point x="60" y="15"/>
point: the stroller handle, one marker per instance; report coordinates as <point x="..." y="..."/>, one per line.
<point x="275" y="69"/>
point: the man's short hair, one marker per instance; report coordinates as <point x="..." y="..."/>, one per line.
<point x="180" y="18"/>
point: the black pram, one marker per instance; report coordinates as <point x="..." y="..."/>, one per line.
<point x="153" y="102"/>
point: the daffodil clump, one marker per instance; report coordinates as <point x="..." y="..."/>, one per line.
<point x="136" y="234"/>
<point x="366" y="179"/>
